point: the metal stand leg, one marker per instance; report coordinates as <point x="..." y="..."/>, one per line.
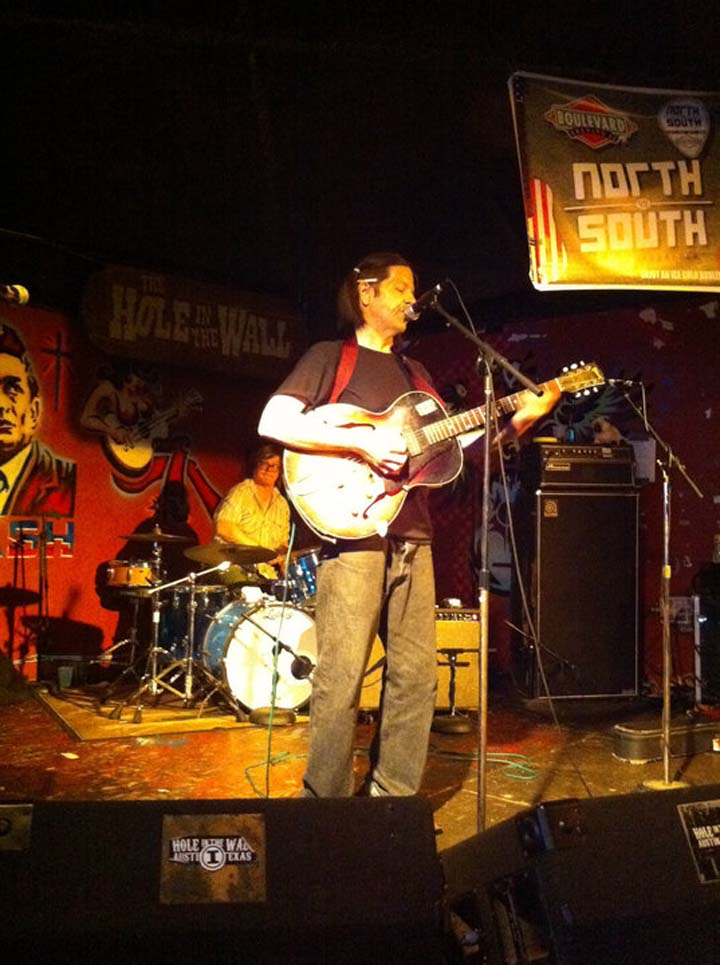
<point x="453" y="722"/>
<point x="152" y="682"/>
<point x="130" y="641"/>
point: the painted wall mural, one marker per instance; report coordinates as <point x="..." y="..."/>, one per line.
<point x="94" y="448"/>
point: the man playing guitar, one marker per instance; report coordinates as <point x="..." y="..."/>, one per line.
<point x="381" y="582"/>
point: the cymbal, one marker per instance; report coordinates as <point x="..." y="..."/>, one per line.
<point x="156" y="535"/>
<point x="17" y="596"/>
<point x="214" y="553"/>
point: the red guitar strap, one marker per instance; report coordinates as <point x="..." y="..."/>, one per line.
<point x="346" y="367"/>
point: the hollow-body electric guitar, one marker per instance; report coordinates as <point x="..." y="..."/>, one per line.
<point x="340" y="496"/>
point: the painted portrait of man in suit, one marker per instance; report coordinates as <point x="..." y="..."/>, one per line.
<point x="33" y="480"/>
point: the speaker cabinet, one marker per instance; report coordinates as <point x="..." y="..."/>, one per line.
<point x="220" y="881"/>
<point x="578" y="559"/>
<point x="456" y="629"/>
<point x="707" y="585"/>
<point x="629" y="879"/>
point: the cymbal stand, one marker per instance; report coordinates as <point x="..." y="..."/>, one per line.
<point x="154" y="681"/>
<point x="211" y="684"/>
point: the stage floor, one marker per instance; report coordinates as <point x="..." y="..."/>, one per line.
<point x="64" y="745"/>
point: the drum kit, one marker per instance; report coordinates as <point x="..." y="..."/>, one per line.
<point x="250" y="642"/>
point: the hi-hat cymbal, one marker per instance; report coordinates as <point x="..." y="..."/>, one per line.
<point x="156" y="535"/>
<point x="216" y="552"/>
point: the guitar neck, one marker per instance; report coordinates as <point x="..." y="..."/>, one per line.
<point x="455" y="425"/>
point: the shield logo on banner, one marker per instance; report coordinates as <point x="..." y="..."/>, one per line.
<point x="685" y="121"/>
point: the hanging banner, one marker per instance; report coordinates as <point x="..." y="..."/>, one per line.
<point x="161" y="318"/>
<point x="621" y="185"/>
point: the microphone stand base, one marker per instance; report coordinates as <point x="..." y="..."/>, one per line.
<point x="281" y="717"/>
<point x="658" y="784"/>
<point x="452" y="724"/>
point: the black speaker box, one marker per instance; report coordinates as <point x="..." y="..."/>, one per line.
<point x="707" y="586"/>
<point x="629" y="879"/>
<point x="237" y="881"/>
<point x="578" y="559"/>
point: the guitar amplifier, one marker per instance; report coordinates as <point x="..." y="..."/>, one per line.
<point x="550" y="464"/>
<point x="455" y="628"/>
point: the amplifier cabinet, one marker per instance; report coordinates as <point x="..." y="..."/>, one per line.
<point x="545" y="465"/>
<point x="455" y="628"/>
<point x="707" y="585"/>
<point x="578" y="559"/>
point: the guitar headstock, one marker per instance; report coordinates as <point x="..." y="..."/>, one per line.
<point x="582" y="378"/>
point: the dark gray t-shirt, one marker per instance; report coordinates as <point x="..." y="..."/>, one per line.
<point x="377" y="380"/>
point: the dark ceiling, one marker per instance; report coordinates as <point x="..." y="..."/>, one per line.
<point x="268" y="148"/>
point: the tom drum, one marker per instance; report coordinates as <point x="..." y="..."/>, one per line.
<point x="129" y="573"/>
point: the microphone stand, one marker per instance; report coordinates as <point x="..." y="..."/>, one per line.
<point x="490" y="359"/>
<point x="671" y="461"/>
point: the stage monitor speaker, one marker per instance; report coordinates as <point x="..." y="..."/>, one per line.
<point x="355" y="880"/>
<point x="578" y="557"/>
<point x="628" y="879"/>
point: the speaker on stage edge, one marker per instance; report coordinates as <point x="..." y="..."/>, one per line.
<point x="626" y="880"/>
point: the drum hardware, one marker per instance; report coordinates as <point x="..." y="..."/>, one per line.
<point x="453" y="722"/>
<point x="131" y="641"/>
<point x="156" y="680"/>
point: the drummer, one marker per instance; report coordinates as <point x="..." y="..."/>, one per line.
<point x="254" y="513"/>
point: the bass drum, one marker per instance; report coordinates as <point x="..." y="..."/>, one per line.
<point x="239" y="645"/>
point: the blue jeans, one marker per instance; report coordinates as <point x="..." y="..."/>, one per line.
<point x="361" y="592"/>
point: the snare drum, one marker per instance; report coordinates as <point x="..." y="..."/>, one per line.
<point x="129" y="573"/>
<point x="302" y="578"/>
<point x="239" y="647"/>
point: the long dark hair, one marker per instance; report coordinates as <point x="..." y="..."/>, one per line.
<point x="373" y="269"/>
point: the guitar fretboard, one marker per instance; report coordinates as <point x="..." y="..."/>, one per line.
<point x="455" y="425"/>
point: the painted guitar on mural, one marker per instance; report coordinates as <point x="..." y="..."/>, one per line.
<point x="134" y="455"/>
<point x="341" y="497"/>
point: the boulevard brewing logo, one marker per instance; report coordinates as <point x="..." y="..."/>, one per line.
<point x="588" y="120"/>
<point x="211" y="854"/>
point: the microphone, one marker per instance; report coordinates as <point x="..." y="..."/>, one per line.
<point x="412" y="312"/>
<point x="624" y="382"/>
<point x="301" y="667"/>
<point x="14" y="293"/>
